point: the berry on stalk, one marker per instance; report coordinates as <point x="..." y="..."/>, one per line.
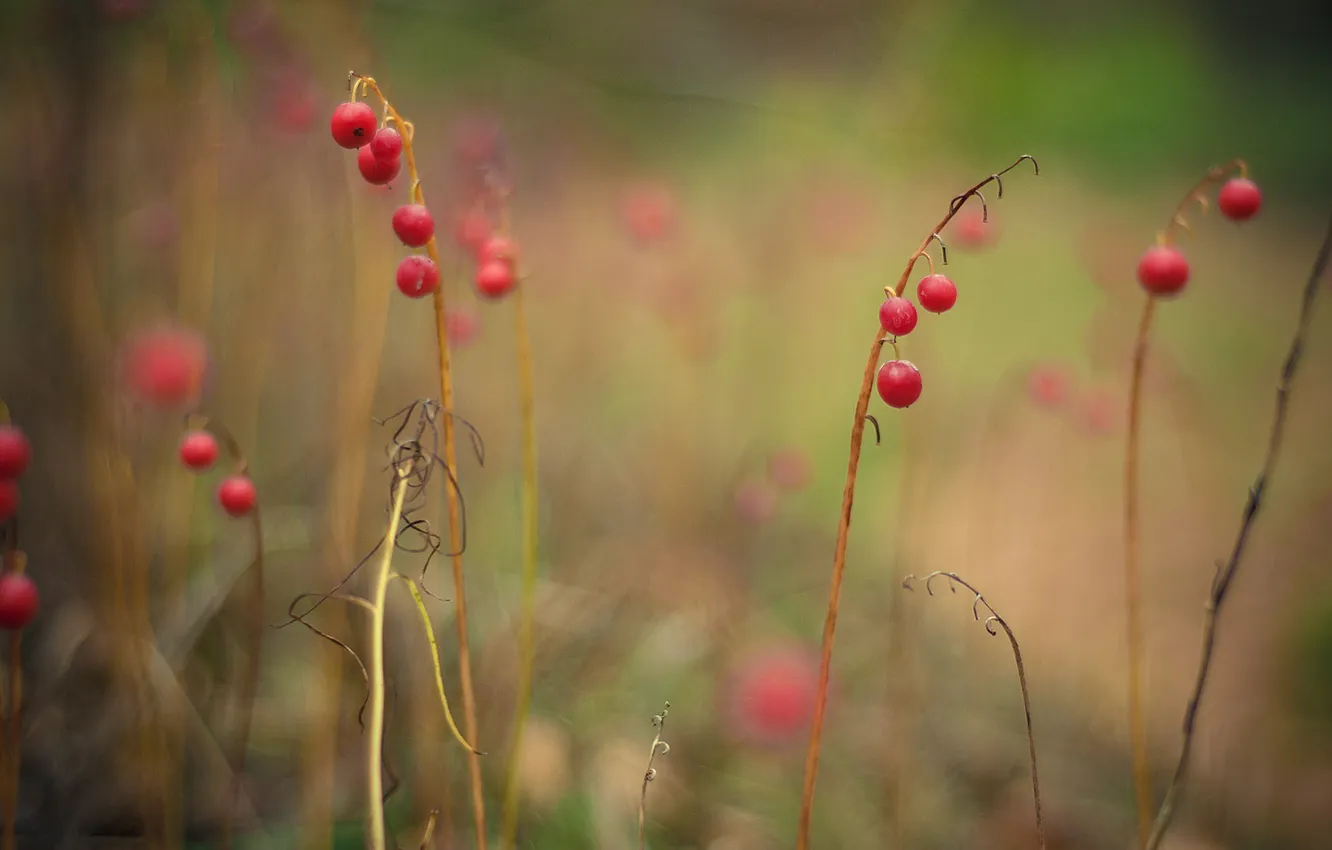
<point x="1163" y="270"/>
<point x="497" y="248"/>
<point x="18" y="601"/>
<point x="413" y="224"/>
<point x="495" y="278"/>
<point x="165" y="366"/>
<point x="198" y="451"/>
<point x="236" y="495"/>
<point x="418" y="276"/>
<point x="897" y="316"/>
<point x="386" y="144"/>
<point x="15" y="451"/>
<point x="377" y="171"/>
<point x="899" y="383"/>
<point x="936" y="293"/>
<point x="1239" y="199"/>
<point x="353" y="124"/>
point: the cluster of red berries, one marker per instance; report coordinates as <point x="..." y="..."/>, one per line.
<point x="235" y="493"/>
<point x="379" y="157"/>
<point x="18" y="594"/>
<point x="1164" y="271"/>
<point x="899" y="381"/>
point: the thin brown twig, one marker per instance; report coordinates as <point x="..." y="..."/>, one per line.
<point x="1225" y="575"/>
<point x="991" y="621"/>
<point x="659" y="747"/>
<point x="1132" y="510"/>
<point x="848" y="498"/>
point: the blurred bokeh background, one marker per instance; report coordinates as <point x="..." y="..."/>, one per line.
<point x="709" y="198"/>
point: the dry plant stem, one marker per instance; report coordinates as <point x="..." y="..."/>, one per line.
<point x="375" y="724"/>
<point x="844" y="524"/>
<point x="531" y="528"/>
<point x="451" y="495"/>
<point x="434" y="658"/>
<point x="993" y="619"/>
<point x="659" y="747"/>
<point x="250" y="683"/>
<point x="1225" y="575"/>
<point x="13" y="754"/>
<point x="1132" y="513"/>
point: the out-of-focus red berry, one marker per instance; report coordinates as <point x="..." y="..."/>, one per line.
<point x="18" y="601"/>
<point x="463" y="325"/>
<point x="755" y="502"/>
<point x="15" y="452"/>
<point x="165" y="366"/>
<point x="495" y="279"/>
<point x="772" y="695"/>
<point x="789" y="469"/>
<point x="970" y="231"/>
<point x="650" y="212"/>
<point x="1047" y="385"/>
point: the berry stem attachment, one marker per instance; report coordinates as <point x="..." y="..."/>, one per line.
<point x="451" y="463"/>
<point x="811" y="770"/>
<point x="1226" y="572"/>
<point x="1132" y="509"/>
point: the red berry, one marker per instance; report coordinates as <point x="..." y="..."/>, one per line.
<point x="463" y="324"/>
<point x="236" y="495"/>
<point x="972" y="231"/>
<point x="936" y="293"/>
<point x="789" y="469"/>
<point x="353" y="124"/>
<point x="1100" y="411"/>
<point x="472" y="230"/>
<point x="899" y="383"/>
<point x="495" y="278"/>
<point x="18" y="601"/>
<point x="294" y="102"/>
<point x="165" y="366"/>
<point x="772" y="699"/>
<point x="9" y="499"/>
<point x="376" y="171"/>
<point x="418" y="276"/>
<point x="897" y="316"/>
<point x="1239" y="199"/>
<point x="1047" y="385"/>
<point x="649" y="212"/>
<point x="497" y="248"/>
<point x="755" y="502"/>
<point x="15" y="451"/>
<point x="386" y="144"/>
<point x="413" y="224"/>
<point x="1163" y="270"/>
<point x="198" y="450"/>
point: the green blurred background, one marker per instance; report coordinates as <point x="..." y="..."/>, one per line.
<point x="710" y="198"/>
